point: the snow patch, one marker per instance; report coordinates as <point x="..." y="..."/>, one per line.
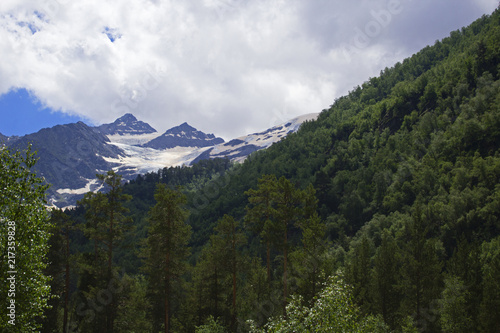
<point x="132" y="139"/>
<point x="262" y="139"/>
<point x="143" y="159"/>
<point x="87" y="188"/>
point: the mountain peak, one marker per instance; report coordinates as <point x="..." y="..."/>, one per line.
<point x="127" y="118"/>
<point x="183" y="135"/>
<point x="184" y="127"/>
<point x="126" y="124"/>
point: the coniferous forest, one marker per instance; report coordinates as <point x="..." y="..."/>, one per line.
<point x="383" y="215"/>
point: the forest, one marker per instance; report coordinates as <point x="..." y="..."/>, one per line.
<point x="383" y="215"/>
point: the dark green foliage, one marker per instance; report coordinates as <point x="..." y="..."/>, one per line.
<point x="59" y="269"/>
<point x="166" y="252"/>
<point x="386" y="277"/>
<point x="421" y="271"/>
<point x="454" y="314"/>
<point x="490" y="305"/>
<point x="106" y="224"/>
<point x="358" y="274"/>
<point x="396" y="183"/>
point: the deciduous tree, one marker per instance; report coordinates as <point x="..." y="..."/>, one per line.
<point x="24" y="235"/>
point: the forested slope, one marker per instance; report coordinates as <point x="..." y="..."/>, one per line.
<point x="394" y="190"/>
<point x="441" y="105"/>
<point x="409" y="160"/>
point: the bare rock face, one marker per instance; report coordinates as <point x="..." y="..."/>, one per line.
<point x="69" y="155"/>
<point x="127" y="124"/>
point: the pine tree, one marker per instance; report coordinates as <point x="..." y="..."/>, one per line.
<point x="207" y="286"/>
<point x="167" y="249"/>
<point x="116" y="222"/>
<point x="59" y="270"/>
<point x="261" y="213"/>
<point x="421" y="272"/>
<point x="386" y="278"/>
<point x="227" y="243"/>
<point x="105" y="226"/>
<point x="358" y="274"/>
<point x="134" y="306"/>
<point x="454" y="316"/>
<point x="465" y="265"/>
<point x="309" y="260"/>
<point x="288" y="202"/>
<point x="490" y="304"/>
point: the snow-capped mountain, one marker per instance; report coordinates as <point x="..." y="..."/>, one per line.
<point x="183" y="136"/>
<point x="71" y="155"/>
<point x="238" y="149"/>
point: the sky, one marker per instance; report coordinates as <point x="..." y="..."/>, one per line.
<point x="228" y="67"/>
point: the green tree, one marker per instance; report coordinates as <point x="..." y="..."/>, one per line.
<point x="211" y="326"/>
<point x="59" y="270"/>
<point x="490" y="304"/>
<point x="106" y="224"/>
<point x="260" y="213"/>
<point x="227" y="242"/>
<point x="167" y="249"/>
<point x="421" y="272"/>
<point x="358" y="274"/>
<point x="454" y="316"/>
<point x="92" y="266"/>
<point x="255" y="292"/>
<point x="333" y="311"/>
<point x="208" y="286"/>
<point x="134" y="306"/>
<point x="24" y="235"/>
<point x="95" y="221"/>
<point x="116" y="221"/>
<point x="386" y="278"/>
<point x="309" y="261"/>
<point x="465" y="265"/>
<point x="289" y="201"/>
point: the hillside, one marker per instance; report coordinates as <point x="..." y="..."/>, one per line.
<point x="395" y="188"/>
<point x="418" y="142"/>
<point x="367" y="154"/>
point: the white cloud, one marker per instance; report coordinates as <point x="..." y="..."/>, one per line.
<point x="225" y="66"/>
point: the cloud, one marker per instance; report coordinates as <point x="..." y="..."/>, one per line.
<point x="225" y="66"/>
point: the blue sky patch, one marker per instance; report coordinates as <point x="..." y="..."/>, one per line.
<point x="112" y="34"/>
<point x="21" y="113"/>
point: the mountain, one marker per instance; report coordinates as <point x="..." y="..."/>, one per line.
<point x="183" y="135"/>
<point x="8" y="139"/>
<point x="238" y="149"/>
<point x="141" y="158"/>
<point x="71" y="155"/>
<point x="127" y="124"/>
<point x="69" y="158"/>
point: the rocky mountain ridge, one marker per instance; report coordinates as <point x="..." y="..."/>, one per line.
<point x="127" y="124"/>
<point x="71" y="155"/>
<point x="183" y="135"/>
